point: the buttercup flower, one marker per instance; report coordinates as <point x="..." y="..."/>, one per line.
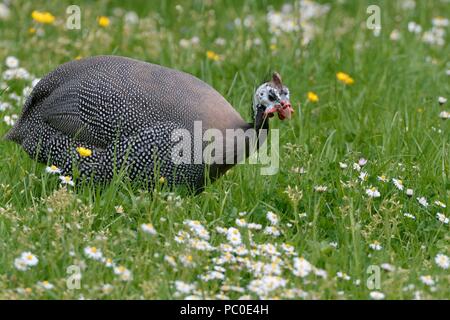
<point x="312" y="97"/>
<point x="43" y="17"/>
<point x="211" y="55"/>
<point x="344" y="78"/>
<point x="84" y="152"/>
<point x="103" y="21"/>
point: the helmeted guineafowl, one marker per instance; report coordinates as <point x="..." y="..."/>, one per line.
<point x="124" y="112"/>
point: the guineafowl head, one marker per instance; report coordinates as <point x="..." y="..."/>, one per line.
<point x="273" y="97"/>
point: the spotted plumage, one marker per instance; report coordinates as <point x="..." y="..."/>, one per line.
<point x="123" y="110"/>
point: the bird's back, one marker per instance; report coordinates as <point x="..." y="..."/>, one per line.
<point x="122" y="92"/>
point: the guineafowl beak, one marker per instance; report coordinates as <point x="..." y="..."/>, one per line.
<point x="285" y="110"/>
<point x="270" y="112"/>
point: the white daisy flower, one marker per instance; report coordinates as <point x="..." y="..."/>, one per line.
<point x="414" y="27"/>
<point x="184" y="287"/>
<point x="442" y="218"/>
<point x="52" y="169"/>
<point x="333" y="244"/>
<point x="442" y="261"/>
<point x="108" y="262"/>
<point x="221" y="230"/>
<point x="10" y="120"/>
<point x="388" y="267"/>
<point x="171" y="261"/>
<point x="254" y="226"/>
<point x="398" y="183"/>
<point x="376" y="295"/>
<point x="29" y="258"/>
<point x="212" y="275"/>
<point x="428" y="280"/>
<point x="362" y="162"/>
<point x="271" y="230"/>
<point x="93" y="253"/>
<point x="409" y="215"/>
<point x="197" y="228"/>
<point x="20" y="264"/>
<point x="343" y="275"/>
<point x="442" y="100"/>
<point x="45" y="285"/>
<point x="395" y="35"/>
<point x="123" y="273"/>
<point x="440" y="204"/>
<point x="66" y="180"/>
<point x="234" y="236"/>
<point x="241" y="222"/>
<point x="356" y="167"/>
<point x="320" y="273"/>
<point x="187" y="260"/>
<point x="288" y="249"/>
<point x="373" y="192"/>
<point x="12" y="62"/>
<point x="320" y="188"/>
<point x="148" y="228"/>
<point x="182" y="236"/>
<point x="4" y="106"/>
<point x="302" y="267"/>
<point x="409" y="192"/>
<point x="423" y="201"/>
<point x="343" y="165"/>
<point x="107" y="288"/>
<point x="272" y="217"/>
<point x="382" y="178"/>
<point x="375" y="246"/>
<point x="200" y="244"/>
<point x="444" y="115"/>
<point x="363" y="176"/>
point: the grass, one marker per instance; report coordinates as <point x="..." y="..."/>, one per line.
<point x="389" y="116"/>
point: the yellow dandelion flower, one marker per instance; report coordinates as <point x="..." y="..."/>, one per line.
<point x="313" y="97"/>
<point x="103" y="21"/>
<point x="31" y="30"/>
<point x="211" y="55"/>
<point x="43" y="17"/>
<point x="345" y="78"/>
